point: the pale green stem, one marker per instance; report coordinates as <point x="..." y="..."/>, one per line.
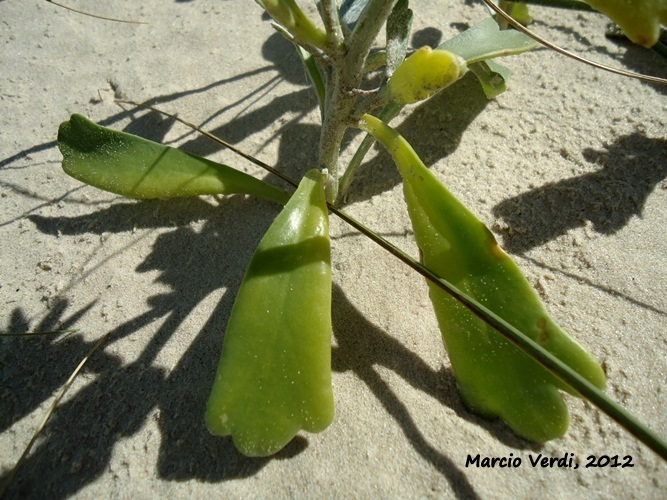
<point x="339" y="107"/>
<point x="329" y="13"/>
<point x="365" y="32"/>
<point x="386" y="115"/>
<point x="347" y="73"/>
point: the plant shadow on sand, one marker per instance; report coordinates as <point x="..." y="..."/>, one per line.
<point x="632" y="166"/>
<point x="83" y="432"/>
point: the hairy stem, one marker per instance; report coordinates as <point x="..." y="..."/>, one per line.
<point x="386" y="115"/>
<point x="329" y="13"/>
<point x="371" y="21"/>
<point x="347" y="72"/>
<point x="338" y="108"/>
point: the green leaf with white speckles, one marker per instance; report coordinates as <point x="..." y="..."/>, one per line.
<point x="138" y="168"/>
<point x="496" y="378"/>
<point x="274" y="376"/>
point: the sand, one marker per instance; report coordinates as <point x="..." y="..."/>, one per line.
<point x="567" y="168"/>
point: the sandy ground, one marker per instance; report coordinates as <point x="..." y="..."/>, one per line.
<point x="568" y="169"/>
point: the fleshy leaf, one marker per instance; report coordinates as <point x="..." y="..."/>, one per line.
<point x="423" y="74"/>
<point x="138" y="168"/>
<point x="492" y="76"/>
<point x="521" y="13"/>
<point x="639" y="19"/>
<point x="274" y="376"/>
<point x="289" y="15"/>
<point x="486" y="41"/>
<point x="496" y="378"/>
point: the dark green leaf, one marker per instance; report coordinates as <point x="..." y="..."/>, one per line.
<point x="138" y="168"/>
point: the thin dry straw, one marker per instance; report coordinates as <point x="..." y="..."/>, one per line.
<point x="35" y="334"/>
<point x="59" y="397"/>
<point x="95" y="15"/>
<point x="516" y="24"/>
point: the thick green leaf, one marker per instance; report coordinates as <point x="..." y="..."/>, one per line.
<point x="598" y="398"/>
<point x="520" y="12"/>
<point x="640" y="19"/>
<point x="496" y="378"/>
<point x="423" y="74"/>
<point x="274" y="376"/>
<point x="294" y="21"/>
<point x="138" y="168"/>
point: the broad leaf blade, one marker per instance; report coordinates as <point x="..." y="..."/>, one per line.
<point x="138" y="168"/>
<point x="495" y="378"/>
<point x="487" y="41"/>
<point x="274" y="375"/>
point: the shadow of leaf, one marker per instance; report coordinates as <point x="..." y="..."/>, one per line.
<point x="631" y="168"/>
<point x="19" y="358"/>
<point x="362" y="346"/>
<point x="83" y="432"/>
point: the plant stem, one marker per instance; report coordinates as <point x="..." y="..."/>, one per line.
<point x="331" y="22"/>
<point x="366" y="30"/>
<point x="339" y="106"/>
<point x="347" y="72"/>
<point x="386" y="115"/>
<point x="507" y="7"/>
